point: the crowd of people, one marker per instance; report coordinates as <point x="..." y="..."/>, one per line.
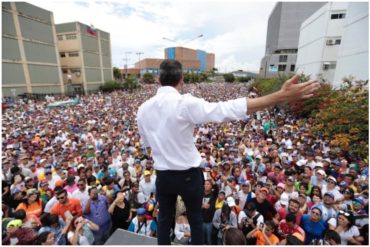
<point x="76" y="174"/>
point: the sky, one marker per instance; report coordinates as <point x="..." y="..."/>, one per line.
<point x="235" y="31"/>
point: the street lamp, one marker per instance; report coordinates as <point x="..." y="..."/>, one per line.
<point x="139" y="53"/>
<point x="126" y="59"/>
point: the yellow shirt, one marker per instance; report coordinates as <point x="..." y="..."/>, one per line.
<point x="261" y="240"/>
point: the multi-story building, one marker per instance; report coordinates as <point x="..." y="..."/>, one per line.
<point x="282" y="36"/>
<point x="353" y="56"/>
<point x="320" y="40"/>
<point x="192" y="60"/>
<point x="30" y="61"/>
<point x="85" y="55"/>
<point x="336" y="34"/>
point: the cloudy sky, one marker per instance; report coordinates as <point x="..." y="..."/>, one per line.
<point x="234" y="30"/>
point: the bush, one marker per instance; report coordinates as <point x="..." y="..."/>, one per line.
<point x="131" y="83"/>
<point x="244" y="78"/>
<point x="229" y="77"/>
<point x="148" y="78"/>
<point x="191" y="77"/>
<point x="343" y="117"/>
<point x="110" y="86"/>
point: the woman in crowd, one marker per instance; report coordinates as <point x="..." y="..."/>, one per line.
<point x="313" y="225"/>
<point x="344" y="225"/>
<point x="45" y="238"/>
<point x="182" y="230"/>
<point x="120" y="211"/>
<point x="264" y="234"/>
<point x="222" y="218"/>
<point x="32" y="204"/>
<point x="52" y="223"/>
<point x="80" y="232"/>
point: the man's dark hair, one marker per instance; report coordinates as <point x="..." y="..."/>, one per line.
<point x="20" y="214"/>
<point x="290" y="218"/>
<point x="60" y="192"/>
<point x="332" y="235"/>
<point x="170" y="72"/>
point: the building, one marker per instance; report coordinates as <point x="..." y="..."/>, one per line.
<point x="30" y="61"/>
<point x="320" y="40"/>
<point x="242" y="73"/>
<point x="85" y="56"/>
<point x="191" y="60"/>
<point x="149" y="65"/>
<point x="353" y="56"/>
<point x="336" y="34"/>
<point x="282" y="36"/>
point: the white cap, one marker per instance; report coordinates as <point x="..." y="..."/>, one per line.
<point x="80" y="165"/>
<point x="230" y="202"/>
<point x="301" y="162"/>
<point x="322" y="172"/>
<point x="284" y="199"/>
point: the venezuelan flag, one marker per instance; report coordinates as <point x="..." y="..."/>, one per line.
<point x="91" y="30"/>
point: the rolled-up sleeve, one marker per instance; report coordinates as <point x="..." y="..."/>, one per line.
<point x="197" y="110"/>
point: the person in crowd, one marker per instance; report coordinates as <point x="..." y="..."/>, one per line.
<point x="313" y="225"/>
<point x="293" y="208"/>
<point x="182" y="230"/>
<point x="345" y="226"/>
<point x="222" y="218"/>
<point x="45" y="238"/>
<point x="327" y="206"/>
<point x="96" y="211"/>
<point x="249" y="219"/>
<point x="289" y="226"/>
<point x="52" y="223"/>
<point x="120" y="211"/>
<point x="208" y="209"/>
<point x="141" y="225"/>
<point x="264" y="234"/>
<point x="82" y="193"/>
<point x="66" y="207"/>
<point x="32" y="204"/>
<point x="16" y="234"/>
<point x="262" y="205"/>
<point x="233" y="236"/>
<point x="81" y="231"/>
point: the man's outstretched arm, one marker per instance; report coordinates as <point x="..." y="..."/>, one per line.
<point x="290" y="90"/>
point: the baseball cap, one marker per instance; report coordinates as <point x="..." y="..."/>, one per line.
<point x="329" y="194"/>
<point x="146" y="173"/>
<point x="230" y="202"/>
<point x="284" y="199"/>
<point x="264" y="189"/>
<point x="44" y="182"/>
<point x="251" y="206"/>
<point x="59" y="183"/>
<point x="31" y="191"/>
<point x="140" y="211"/>
<point x="14" y="223"/>
<point x="321" y="172"/>
<point x="332" y="178"/>
<point x="358" y="200"/>
<point x="281" y="185"/>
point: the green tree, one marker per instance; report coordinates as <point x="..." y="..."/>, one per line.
<point x="148" y="78"/>
<point x="229" y="77"/>
<point x="131" y="83"/>
<point x="110" y="86"/>
<point x="244" y="78"/>
<point x="203" y="77"/>
<point x="117" y="73"/>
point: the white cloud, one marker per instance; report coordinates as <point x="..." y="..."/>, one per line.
<point x="234" y="30"/>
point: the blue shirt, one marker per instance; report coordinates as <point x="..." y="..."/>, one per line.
<point x="99" y="213"/>
<point x="314" y="230"/>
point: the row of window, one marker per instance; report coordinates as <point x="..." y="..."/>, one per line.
<point x="76" y="71"/>
<point x="69" y="54"/>
<point x="286" y="51"/>
<point x="282" y="67"/>
<point x="333" y="42"/>
<point x="67" y="36"/>
<point x="329" y="65"/>
<point x="338" y="16"/>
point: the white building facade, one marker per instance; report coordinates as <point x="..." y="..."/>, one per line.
<point x="327" y="42"/>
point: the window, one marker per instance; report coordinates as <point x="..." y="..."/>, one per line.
<point x="329" y="65"/>
<point x="62" y="54"/>
<point x="64" y="71"/>
<point x="60" y="37"/>
<point x="282" y="67"/>
<point x="75" y="71"/>
<point x="73" y="54"/>
<point x="283" y="58"/>
<point x="338" y="16"/>
<point x="292" y="67"/>
<point x="329" y="42"/>
<point x="337" y="41"/>
<point x="71" y="36"/>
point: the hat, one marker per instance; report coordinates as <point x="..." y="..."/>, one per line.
<point x="269" y="139"/>
<point x="343" y="183"/>
<point x="80" y="166"/>
<point x="14" y="223"/>
<point x="332" y="178"/>
<point x="146" y="173"/>
<point x="246" y="183"/>
<point x="31" y="191"/>
<point x="251" y="206"/>
<point x="298" y="236"/>
<point x="284" y="199"/>
<point x="230" y="202"/>
<point x="301" y="162"/>
<point x="359" y="200"/>
<point x="319" y="164"/>
<point x="281" y="185"/>
<point x="259" y="157"/>
<point x="59" y="183"/>
<point x="44" y="182"/>
<point x="26" y="179"/>
<point x="330" y="194"/>
<point x="140" y="211"/>
<point x="321" y="172"/>
<point x="264" y="189"/>
<point x="327" y="160"/>
<point x="42" y="160"/>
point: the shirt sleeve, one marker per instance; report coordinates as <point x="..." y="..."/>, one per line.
<point x="197" y="110"/>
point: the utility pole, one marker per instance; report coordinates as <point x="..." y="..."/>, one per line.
<point x="126" y="59"/>
<point x="139" y="53"/>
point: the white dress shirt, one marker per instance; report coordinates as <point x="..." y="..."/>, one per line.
<point x="167" y="120"/>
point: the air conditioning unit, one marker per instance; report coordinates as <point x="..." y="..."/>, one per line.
<point x="329" y="42"/>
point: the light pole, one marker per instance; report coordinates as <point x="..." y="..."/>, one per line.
<point x="126" y="59"/>
<point x="139" y="53"/>
<point x="197" y="37"/>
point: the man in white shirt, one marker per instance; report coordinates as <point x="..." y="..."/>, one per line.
<point x="82" y="193"/>
<point x="147" y="185"/>
<point x="166" y="123"/>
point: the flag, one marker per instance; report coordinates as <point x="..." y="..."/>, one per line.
<point x="91" y="30"/>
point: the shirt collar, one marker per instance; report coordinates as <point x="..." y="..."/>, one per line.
<point x="167" y="89"/>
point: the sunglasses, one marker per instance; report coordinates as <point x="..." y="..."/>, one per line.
<point x="61" y="198"/>
<point x="315" y="212"/>
<point x="344" y="213"/>
<point x="80" y="185"/>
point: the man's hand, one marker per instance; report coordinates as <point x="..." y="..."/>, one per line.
<point x="291" y="90"/>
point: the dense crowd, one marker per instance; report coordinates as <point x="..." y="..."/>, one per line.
<point x="73" y="175"/>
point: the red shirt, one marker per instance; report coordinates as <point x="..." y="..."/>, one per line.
<point x="284" y="211"/>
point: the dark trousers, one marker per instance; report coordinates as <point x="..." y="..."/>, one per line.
<point x="189" y="185"/>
